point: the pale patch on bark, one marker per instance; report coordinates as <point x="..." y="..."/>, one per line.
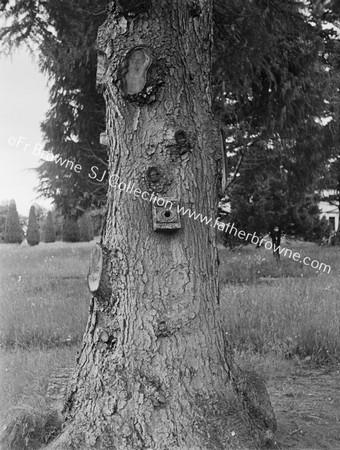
<point x="139" y="60"/>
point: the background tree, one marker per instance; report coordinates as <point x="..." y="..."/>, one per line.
<point x="70" y="230"/>
<point x="64" y="34"/>
<point x="279" y="50"/>
<point x="97" y="216"/>
<point x="13" y="230"/>
<point x="85" y="228"/>
<point x="33" y="236"/>
<point x="272" y="191"/>
<point x="49" y="233"/>
<point x="58" y="221"/>
<point x="3" y="219"/>
<point x="273" y="113"/>
<point x="40" y="214"/>
<point x="306" y="222"/>
<point x="77" y="115"/>
<point x="91" y="227"/>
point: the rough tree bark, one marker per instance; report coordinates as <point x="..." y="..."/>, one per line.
<point x="154" y="372"/>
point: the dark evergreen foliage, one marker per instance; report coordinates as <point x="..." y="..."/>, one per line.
<point x="85" y="228"/>
<point x="77" y="113"/>
<point x="97" y="217"/>
<point x="49" y="232"/>
<point x="33" y="236"/>
<point x="91" y="227"/>
<point x="13" y="230"/>
<point x="307" y="223"/>
<point x="70" y="230"/>
<point x="269" y="192"/>
<point x="3" y="219"/>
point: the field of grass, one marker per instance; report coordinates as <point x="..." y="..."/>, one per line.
<point x="43" y="293"/>
<point x="289" y="309"/>
<point x="274" y="315"/>
<point x="44" y="305"/>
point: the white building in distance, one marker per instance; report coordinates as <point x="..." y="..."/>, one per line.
<point x="329" y="205"/>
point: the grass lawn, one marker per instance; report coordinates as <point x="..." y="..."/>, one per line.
<point x="289" y="308"/>
<point x="44" y="305"/>
<point x="43" y="294"/>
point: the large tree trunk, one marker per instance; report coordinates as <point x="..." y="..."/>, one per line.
<point x="153" y="372"/>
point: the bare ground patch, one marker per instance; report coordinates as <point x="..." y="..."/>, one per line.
<point x="307" y="408"/>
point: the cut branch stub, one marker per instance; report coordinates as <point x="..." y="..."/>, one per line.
<point x="153" y="174"/>
<point x="98" y="278"/>
<point x="138" y="62"/>
<point x="181" y="138"/>
<point x="183" y="144"/>
<point x="158" y="179"/>
<point x="102" y="66"/>
<point x="95" y="270"/>
<point x="103" y="139"/>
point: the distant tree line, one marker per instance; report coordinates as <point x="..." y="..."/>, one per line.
<point x="49" y="228"/>
<point x="12" y="230"/>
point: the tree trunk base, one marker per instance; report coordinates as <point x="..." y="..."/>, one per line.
<point x="216" y="423"/>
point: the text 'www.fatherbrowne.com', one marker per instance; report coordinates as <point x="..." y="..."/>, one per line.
<point x="221" y="226"/>
<point x="37" y="151"/>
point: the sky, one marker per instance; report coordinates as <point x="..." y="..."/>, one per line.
<point x="23" y="106"/>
